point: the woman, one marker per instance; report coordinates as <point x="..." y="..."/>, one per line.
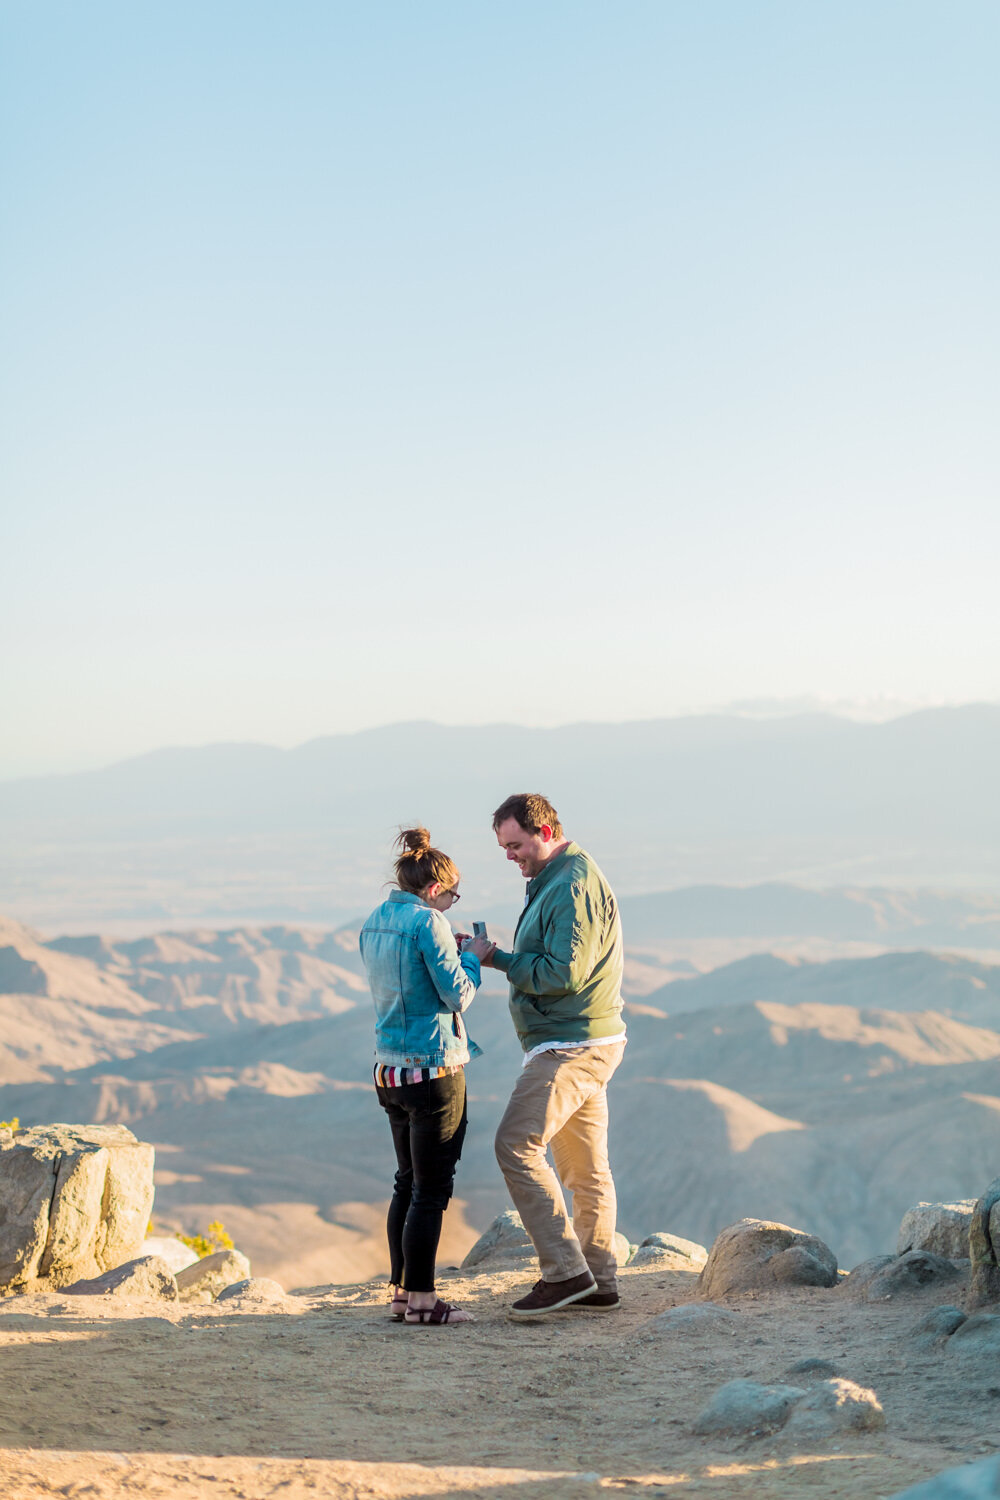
<point x="421" y="984"/>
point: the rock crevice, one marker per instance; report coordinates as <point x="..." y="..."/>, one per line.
<point x="75" y="1201"/>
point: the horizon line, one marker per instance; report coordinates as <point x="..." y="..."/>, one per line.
<point x="734" y="712"/>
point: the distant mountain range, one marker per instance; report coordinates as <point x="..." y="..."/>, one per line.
<point x="828" y="1095"/>
<point x="894" y="918"/>
<point x="251" y="832"/>
<point x="904" y="982"/>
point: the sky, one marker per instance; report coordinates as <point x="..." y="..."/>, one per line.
<point x="532" y="362"/>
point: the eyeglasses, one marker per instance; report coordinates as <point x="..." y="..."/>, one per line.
<point x="454" y="895"/>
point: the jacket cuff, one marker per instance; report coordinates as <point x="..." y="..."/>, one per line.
<point x="470" y="963"/>
<point x="502" y="960"/>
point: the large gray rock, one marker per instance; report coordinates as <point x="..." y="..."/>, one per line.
<point x="835" y="1406"/>
<point x="942" y="1228"/>
<point x="979" y="1481"/>
<point x="889" y="1277"/>
<point x="933" y="1330"/>
<point x="75" y="1201"/>
<point x="984" y="1249"/>
<point x="505" y="1241"/>
<point x="693" y="1315"/>
<point x="743" y="1408"/>
<point x="258" y="1291"/>
<point x="203" y="1281"/>
<point x="670" y="1253"/>
<point x="176" y="1254"/>
<point x="977" y="1337"/>
<point x="811" y="1368"/>
<point x="505" y="1244"/>
<point x="754" y="1255"/>
<point x="624" y="1249"/>
<point x="138" y="1279"/>
<point x="863" y="1274"/>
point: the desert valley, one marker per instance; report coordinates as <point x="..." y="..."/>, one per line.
<point x="819" y="1053"/>
<point x="828" y="1093"/>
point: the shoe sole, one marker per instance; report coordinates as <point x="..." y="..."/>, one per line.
<point x="611" y="1307"/>
<point x="539" y="1312"/>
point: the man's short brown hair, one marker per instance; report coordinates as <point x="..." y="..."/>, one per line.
<point x="531" y="810"/>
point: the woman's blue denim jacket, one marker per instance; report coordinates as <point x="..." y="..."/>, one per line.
<point x="420" y="984"/>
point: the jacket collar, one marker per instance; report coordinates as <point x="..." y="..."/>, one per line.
<point x="407" y="897"/>
<point x="550" y="868"/>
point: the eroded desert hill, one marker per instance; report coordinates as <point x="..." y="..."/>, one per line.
<point x="827" y="1095"/>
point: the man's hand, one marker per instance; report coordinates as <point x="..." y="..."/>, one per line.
<point x="481" y="947"/>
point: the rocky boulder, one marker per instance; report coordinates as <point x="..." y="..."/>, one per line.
<point x="939" y="1324"/>
<point x="75" y="1201"/>
<point x="744" y="1408"/>
<point x="855" y="1283"/>
<point x="693" y="1315"/>
<point x="984" y="1249"/>
<point x="177" y="1255"/>
<point x="977" y="1337"/>
<point x="505" y="1245"/>
<point x="624" y="1249"/>
<point x="505" y="1241"/>
<point x="756" y="1255"/>
<point x="941" y="1228"/>
<point x="813" y="1367"/>
<point x="136" y="1280"/>
<point x="835" y="1406"/>
<point x="669" y="1252"/>
<point x="257" y="1291"/>
<point x="889" y="1276"/>
<point x="979" y="1481"/>
<point x="209" y="1276"/>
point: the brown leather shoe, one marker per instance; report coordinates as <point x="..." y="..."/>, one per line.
<point x="597" y="1302"/>
<point x="548" y="1296"/>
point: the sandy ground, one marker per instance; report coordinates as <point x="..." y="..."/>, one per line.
<point x="326" y="1397"/>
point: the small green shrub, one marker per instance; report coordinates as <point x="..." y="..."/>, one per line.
<point x="215" y="1238"/>
<point x="14" y="1124"/>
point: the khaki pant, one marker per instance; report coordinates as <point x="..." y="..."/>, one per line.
<point x="561" y="1100"/>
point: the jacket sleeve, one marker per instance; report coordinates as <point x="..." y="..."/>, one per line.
<point x="455" y="976"/>
<point x="572" y="947"/>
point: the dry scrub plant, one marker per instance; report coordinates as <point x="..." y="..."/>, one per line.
<point x="215" y="1238"/>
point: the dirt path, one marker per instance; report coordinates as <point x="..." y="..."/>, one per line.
<point x="326" y="1397"/>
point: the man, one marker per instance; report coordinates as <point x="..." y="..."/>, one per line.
<point x="565" y="974"/>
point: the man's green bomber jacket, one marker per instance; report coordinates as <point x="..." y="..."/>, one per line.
<point x="565" y="972"/>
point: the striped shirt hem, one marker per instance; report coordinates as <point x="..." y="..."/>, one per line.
<point x="395" y="1078"/>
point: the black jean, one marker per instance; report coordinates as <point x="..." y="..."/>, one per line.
<point x="428" y="1121"/>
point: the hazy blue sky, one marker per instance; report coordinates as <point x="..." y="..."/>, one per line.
<point x="533" y="361"/>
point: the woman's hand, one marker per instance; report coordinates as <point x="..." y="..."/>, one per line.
<point x="481" y="947"/>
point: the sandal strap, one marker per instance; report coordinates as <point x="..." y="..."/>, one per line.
<point x="439" y="1313"/>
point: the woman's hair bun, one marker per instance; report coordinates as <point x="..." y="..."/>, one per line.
<point x="414" y="842"/>
<point x="419" y="865"/>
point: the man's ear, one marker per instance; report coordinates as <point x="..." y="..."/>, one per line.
<point x="546" y="833"/>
